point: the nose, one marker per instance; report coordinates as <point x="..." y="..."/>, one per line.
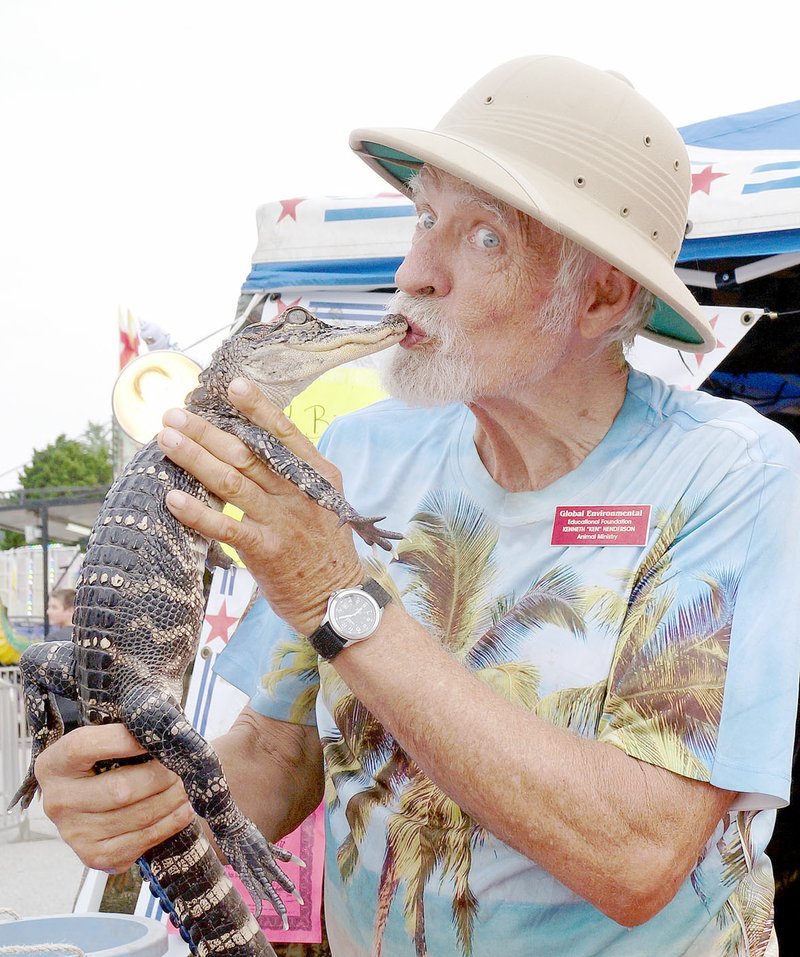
<point x="423" y="272"/>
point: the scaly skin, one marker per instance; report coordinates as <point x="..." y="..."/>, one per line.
<point x="138" y="613"/>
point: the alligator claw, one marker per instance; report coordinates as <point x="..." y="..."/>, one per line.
<point x="253" y="858"/>
<point x="25" y="793"/>
<point x="367" y="529"/>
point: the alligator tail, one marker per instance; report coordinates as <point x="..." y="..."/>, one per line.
<point x="188" y="880"/>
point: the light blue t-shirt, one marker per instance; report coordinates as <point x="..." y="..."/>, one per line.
<point x="647" y="599"/>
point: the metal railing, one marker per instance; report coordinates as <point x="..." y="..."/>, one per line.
<point x="14" y="749"/>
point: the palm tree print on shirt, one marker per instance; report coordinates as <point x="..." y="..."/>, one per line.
<point x="448" y="553"/>
<point x="661" y="702"/>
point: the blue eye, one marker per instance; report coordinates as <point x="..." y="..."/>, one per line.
<point x="425" y="220"/>
<point x="487" y="238"/>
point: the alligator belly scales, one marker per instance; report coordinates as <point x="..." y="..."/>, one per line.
<point x="138" y="613"/>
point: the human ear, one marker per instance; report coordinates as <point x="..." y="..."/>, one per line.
<point x="610" y="295"/>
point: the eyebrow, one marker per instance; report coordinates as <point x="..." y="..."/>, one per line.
<point x="494" y="207"/>
<point x="467" y="198"/>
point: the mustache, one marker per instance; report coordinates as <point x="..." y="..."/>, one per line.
<point x="422" y="311"/>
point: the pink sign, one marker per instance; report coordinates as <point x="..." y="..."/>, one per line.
<point x="305" y="924"/>
<point x="601" y="525"/>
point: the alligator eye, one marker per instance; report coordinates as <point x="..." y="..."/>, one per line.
<point x="297" y="315"/>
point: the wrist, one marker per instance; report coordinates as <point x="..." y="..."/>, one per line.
<point x="312" y="617"/>
<point x="353" y="614"/>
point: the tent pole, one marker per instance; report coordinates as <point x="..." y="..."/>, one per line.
<point x="45" y="563"/>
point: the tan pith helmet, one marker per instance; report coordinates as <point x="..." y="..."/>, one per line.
<point x="580" y="150"/>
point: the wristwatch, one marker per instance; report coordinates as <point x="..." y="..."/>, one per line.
<point x="353" y="615"/>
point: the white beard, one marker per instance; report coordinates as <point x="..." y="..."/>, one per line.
<point x="438" y="374"/>
<point x="448" y="369"/>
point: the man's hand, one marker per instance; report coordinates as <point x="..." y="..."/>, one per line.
<point x="292" y="547"/>
<point x="109" y="819"/>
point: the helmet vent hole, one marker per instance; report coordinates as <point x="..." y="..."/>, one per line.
<point x="488" y="99"/>
<point x="677" y="164"/>
<point x="654" y="234"/>
<point x="647" y="141"/>
<point x="580" y="181"/>
<point x="624" y="211"/>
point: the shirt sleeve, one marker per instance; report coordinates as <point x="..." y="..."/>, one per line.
<point x="704" y="680"/>
<point x="275" y="667"/>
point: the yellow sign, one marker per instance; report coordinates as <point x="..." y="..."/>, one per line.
<point x="335" y="393"/>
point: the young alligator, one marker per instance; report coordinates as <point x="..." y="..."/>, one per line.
<point x="138" y="613"/>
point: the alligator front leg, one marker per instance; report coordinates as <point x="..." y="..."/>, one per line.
<point x="47" y="668"/>
<point x="286" y="464"/>
<point x="159" y="724"/>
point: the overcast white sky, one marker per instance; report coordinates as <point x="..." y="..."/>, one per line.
<point x="139" y="136"/>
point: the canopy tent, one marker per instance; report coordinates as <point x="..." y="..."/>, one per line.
<point x="744" y="216"/>
<point x="745" y="186"/>
<point x="743" y="247"/>
<point x="745" y="205"/>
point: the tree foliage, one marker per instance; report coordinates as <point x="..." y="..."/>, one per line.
<point x="65" y="463"/>
<point x="71" y="462"/>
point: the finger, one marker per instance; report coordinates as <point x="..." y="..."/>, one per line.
<point x="225" y="480"/>
<point x="213" y="525"/>
<point x="87" y="792"/>
<point x="255" y="406"/>
<point x="112" y="842"/>
<point x="77" y="752"/>
<point x="145" y="809"/>
<point x="222" y="445"/>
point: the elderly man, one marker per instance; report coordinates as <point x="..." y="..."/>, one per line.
<point x="558" y="722"/>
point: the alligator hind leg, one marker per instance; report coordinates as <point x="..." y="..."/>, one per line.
<point x="159" y="724"/>
<point x="286" y="464"/>
<point x="47" y="668"/>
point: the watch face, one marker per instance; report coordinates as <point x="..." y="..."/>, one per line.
<point x="353" y="614"/>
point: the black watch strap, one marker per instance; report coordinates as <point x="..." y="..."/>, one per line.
<point x="326" y="642"/>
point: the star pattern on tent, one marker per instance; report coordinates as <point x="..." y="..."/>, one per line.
<point x="220" y="622"/>
<point x="701" y="182"/>
<point x="719" y="345"/>
<point x="289" y="208"/>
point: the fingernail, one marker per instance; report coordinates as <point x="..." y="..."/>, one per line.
<point x="171" y="438"/>
<point x="239" y="386"/>
<point x="176" y="417"/>
<point x="176" y="498"/>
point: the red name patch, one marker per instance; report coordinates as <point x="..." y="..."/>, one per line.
<point x="601" y="525"/>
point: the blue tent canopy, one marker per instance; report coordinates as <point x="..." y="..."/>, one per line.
<point x="774" y="127"/>
<point x="745" y="184"/>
